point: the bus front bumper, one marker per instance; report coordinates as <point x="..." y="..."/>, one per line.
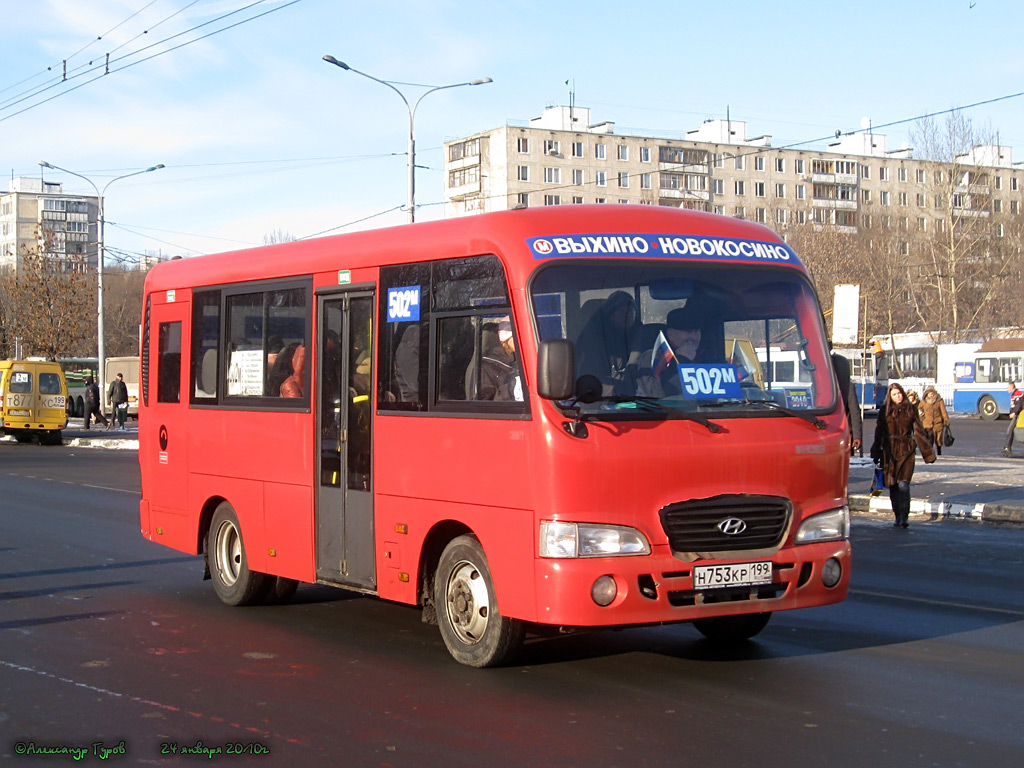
<point x="660" y="588"/>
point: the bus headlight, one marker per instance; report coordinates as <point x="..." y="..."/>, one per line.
<point x="833" y="525"/>
<point x="558" y="539"/>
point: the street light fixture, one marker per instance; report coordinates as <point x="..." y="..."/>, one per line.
<point x="412" y="115"/>
<point x="101" y="349"/>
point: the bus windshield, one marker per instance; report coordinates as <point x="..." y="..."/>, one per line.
<point x="653" y="338"/>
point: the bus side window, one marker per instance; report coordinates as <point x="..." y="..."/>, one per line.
<point x="169" y="371"/>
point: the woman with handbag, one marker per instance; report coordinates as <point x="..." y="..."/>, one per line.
<point x="934" y="418"/>
<point x="897" y="433"/>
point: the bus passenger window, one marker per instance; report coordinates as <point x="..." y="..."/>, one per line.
<point x="169" y="363"/>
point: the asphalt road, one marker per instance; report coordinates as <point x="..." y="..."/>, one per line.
<point x="108" y="639"/>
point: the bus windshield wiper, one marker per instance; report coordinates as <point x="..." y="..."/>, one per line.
<point x="774" y="406"/>
<point x="654" y="405"/>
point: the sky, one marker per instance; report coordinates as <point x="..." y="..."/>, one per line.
<point x="259" y="135"/>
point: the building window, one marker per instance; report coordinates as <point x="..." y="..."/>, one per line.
<point x="798" y="167"/>
<point x="645" y="154"/>
<point x="740" y="164"/>
<point x="866" y="195"/>
<point x="523" y="146"/>
<point x="623" y="180"/>
<point x="601" y="178"/>
<point x="552" y="175"/>
<point x="1014" y="184"/>
<point x="1015" y="207"/>
<point x="922" y="200"/>
<point x="464" y="176"/>
<point x="523" y="200"/>
<point x="780" y="216"/>
<point x="865" y="171"/>
<point x="600" y="200"/>
<point x="761" y="215"/>
<point x="577" y="200"/>
<point x="577" y="176"/>
<point x="719" y="186"/>
<point x="552" y="147"/>
<point x="552" y="200"/>
<point x="780" y="165"/>
<point x="883" y="173"/>
<point x="623" y="150"/>
<point x="759" y="163"/>
<point x="523" y="173"/>
<point x="919" y="175"/>
<point x="801" y="192"/>
<point x="719" y="209"/>
<point x="464" y="149"/>
<point x="901" y="198"/>
<point x="759" y="187"/>
<point x="577" y="149"/>
<point x="739" y="187"/>
<point x="645" y="181"/>
<point x="997" y="207"/>
<point x="739" y="212"/>
<point x="600" y="151"/>
<point x="780" y="191"/>
<point x="902" y="174"/>
<point x="999" y="182"/>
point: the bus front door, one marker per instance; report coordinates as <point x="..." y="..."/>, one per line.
<point x="344" y="510"/>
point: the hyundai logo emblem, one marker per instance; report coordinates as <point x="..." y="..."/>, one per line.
<point x="732" y="526"/>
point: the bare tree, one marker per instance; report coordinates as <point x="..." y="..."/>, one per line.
<point x="123" y="309"/>
<point x="48" y="304"/>
<point x="278" y="236"/>
<point x="963" y="264"/>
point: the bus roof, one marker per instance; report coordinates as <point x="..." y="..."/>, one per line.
<point x="550" y="232"/>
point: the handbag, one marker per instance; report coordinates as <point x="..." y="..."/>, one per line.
<point x="947" y="436"/>
<point x="877" y="481"/>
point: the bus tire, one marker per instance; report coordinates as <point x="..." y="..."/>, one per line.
<point x="232" y="580"/>
<point x="281" y="590"/>
<point x="988" y="408"/>
<point x="80" y="408"/>
<point x="732" y="629"/>
<point x="473" y="630"/>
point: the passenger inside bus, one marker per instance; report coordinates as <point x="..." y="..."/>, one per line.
<point x="499" y="368"/>
<point x="685" y="341"/>
<point x="607" y="339"/>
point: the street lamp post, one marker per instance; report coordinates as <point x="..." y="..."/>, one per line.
<point x="101" y="349"/>
<point x="412" y="116"/>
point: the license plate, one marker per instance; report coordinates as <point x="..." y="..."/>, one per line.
<point x="734" y="575"/>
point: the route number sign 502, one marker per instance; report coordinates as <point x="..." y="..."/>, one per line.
<point x="709" y="380"/>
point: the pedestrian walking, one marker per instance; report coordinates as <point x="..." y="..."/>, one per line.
<point x="897" y="433"/>
<point x="1016" y="404"/>
<point x="118" y="399"/>
<point x="934" y="418"/>
<point x="92" y="404"/>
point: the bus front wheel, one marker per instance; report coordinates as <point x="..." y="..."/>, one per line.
<point x="473" y="630"/>
<point x="988" y="408"/>
<point x="732" y="629"/>
<point x="232" y="580"/>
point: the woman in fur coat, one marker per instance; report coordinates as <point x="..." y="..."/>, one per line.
<point x="898" y="434"/>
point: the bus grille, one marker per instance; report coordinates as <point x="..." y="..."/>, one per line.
<point x="726" y="523"/>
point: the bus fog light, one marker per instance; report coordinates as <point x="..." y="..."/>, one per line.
<point x="604" y="590"/>
<point x="831" y="572"/>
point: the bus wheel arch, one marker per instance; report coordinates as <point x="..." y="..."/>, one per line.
<point x="233" y="581"/>
<point x="988" y="408"/>
<point x="437" y="538"/>
<point x="473" y="630"/>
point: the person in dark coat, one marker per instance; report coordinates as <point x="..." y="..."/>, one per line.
<point x="117" y="397"/>
<point x="92" y="403"/>
<point x="897" y="433"/>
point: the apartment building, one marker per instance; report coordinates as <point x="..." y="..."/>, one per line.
<point x="37" y="217"/>
<point x="562" y="158"/>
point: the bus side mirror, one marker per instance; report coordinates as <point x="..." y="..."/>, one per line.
<point x="556" y="369"/>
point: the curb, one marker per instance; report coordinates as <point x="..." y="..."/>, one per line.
<point x="924" y="509"/>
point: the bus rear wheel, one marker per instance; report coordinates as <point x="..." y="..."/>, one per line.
<point x="732" y="629"/>
<point x="473" y="630"/>
<point x="232" y="580"/>
<point x="988" y="408"/>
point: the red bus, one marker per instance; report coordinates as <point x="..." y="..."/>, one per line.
<point x="497" y="418"/>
